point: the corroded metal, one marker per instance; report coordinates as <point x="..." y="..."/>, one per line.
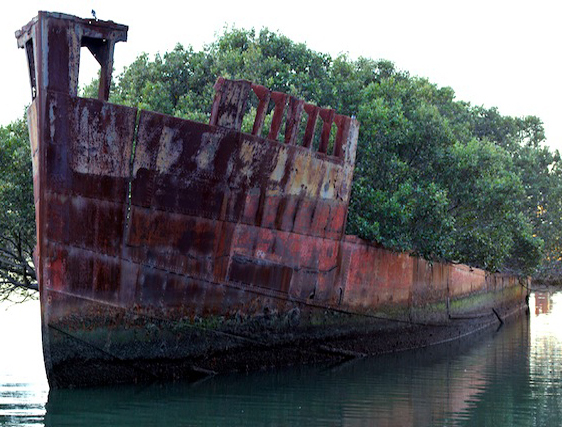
<point x="168" y="248"/>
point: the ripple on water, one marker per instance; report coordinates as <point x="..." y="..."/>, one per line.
<point x="23" y="385"/>
<point x="21" y="403"/>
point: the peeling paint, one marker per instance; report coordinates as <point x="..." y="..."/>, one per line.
<point x="169" y="151"/>
<point x="281" y="162"/>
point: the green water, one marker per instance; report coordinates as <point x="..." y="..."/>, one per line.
<point x="507" y="377"/>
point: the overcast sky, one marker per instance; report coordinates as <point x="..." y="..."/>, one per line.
<point x="493" y="53"/>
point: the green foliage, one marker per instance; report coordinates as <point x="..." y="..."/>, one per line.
<point x="17" y="218"/>
<point x="486" y="195"/>
<point x="412" y="217"/>
<point x="418" y="152"/>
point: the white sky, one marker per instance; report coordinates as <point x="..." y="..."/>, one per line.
<point x="493" y="53"/>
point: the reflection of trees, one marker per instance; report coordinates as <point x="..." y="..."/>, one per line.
<point x="500" y="402"/>
<point x="527" y="391"/>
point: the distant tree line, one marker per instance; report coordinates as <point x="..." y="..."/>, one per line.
<point x="435" y="176"/>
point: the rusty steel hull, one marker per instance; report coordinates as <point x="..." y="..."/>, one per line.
<point x="173" y="249"/>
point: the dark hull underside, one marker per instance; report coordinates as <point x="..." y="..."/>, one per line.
<point x="121" y="347"/>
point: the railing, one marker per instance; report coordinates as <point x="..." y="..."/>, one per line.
<point x="229" y="108"/>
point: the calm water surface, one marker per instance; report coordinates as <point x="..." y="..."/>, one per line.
<point x="507" y="377"/>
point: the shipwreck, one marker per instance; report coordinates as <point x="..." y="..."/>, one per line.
<point x="172" y="249"/>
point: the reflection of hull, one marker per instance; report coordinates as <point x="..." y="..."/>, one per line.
<point x="169" y="248"/>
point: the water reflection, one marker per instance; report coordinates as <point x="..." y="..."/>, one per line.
<point x="546" y="356"/>
<point x="507" y="377"/>
<point x="23" y="385"/>
<point x="542" y="302"/>
<point x="432" y="386"/>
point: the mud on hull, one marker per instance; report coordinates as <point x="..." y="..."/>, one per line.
<point x="162" y="350"/>
<point x="91" y="343"/>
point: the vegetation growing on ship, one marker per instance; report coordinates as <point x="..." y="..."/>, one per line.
<point x="436" y="176"/>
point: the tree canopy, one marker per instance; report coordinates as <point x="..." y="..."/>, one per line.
<point x="435" y="176"/>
